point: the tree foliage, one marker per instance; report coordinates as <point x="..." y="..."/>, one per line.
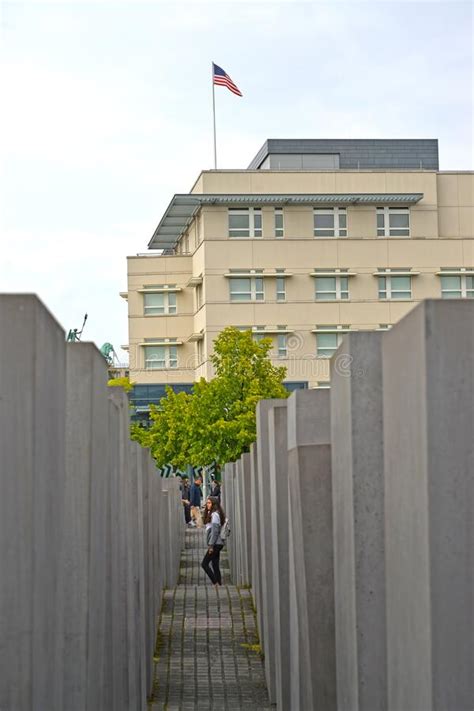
<point x="120" y="383"/>
<point x="217" y="422"/>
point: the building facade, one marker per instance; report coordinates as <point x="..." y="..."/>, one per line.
<point x="314" y="239"/>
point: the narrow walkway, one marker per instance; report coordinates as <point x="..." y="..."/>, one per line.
<point x="208" y="658"/>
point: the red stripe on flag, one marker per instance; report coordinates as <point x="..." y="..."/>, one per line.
<point x="225" y="81"/>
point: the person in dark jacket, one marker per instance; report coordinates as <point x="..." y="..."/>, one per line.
<point x="214" y="519"/>
<point x="195" y="496"/>
<point x="215" y="489"/>
<point x="185" y="493"/>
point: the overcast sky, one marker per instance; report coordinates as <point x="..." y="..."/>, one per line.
<point x="106" y="112"/>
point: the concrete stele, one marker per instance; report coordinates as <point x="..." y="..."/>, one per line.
<point x="265" y="516"/>
<point x="278" y="492"/>
<point x="312" y="629"/>
<point x="32" y="428"/>
<point x="256" y="541"/>
<point x="358" y="509"/>
<point x="428" y="374"/>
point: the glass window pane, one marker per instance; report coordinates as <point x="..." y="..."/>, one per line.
<point x="258" y="284"/>
<point x="469" y="283"/>
<point x="324" y="233"/>
<point x="327" y="340"/>
<point x="154" y="300"/>
<point x="238" y="221"/>
<point x="402" y="232"/>
<point x="279" y="220"/>
<point x="240" y="233"/>
<point x="172" y="299"/>
<point x="257" y="220"/>
<point x="323" y="221"/>
<point x="325" y="283"/>
<point x="398" y="220"/>
<point x="241" y="297"/>
<point x="451" y="294"/>
<point x="239" y="285"/>
<point x="380" y="220"/>
<point x="342" y="219"/>
<point x="401" y="283"/>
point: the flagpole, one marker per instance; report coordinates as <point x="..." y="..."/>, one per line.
<point x="214" y="114"/>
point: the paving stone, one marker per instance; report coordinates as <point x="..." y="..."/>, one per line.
<point x="207" y="656"/>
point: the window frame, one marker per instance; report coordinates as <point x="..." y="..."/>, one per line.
<point x="170" y="362"/>
<point x="389" y="290"/>
<point x="387" y="230"/>
<point x="279" y="231"/>
<point x="339" y="336"/>
<point x="280" y="288"/>
<point x="338" y="292"/>
<point x="167" y="307"/>
<point x="338" y="230"/>
<point x="254" y="292"/>
<point x="252" y="213"/>
<point x="282" y="345"/>
<point x="464" y="291"/>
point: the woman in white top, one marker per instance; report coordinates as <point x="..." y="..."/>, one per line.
<point x="214" y="519"/>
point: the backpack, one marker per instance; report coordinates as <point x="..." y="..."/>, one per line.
<point x="225" y="530"/>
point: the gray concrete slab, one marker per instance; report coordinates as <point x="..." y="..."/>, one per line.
<point x="246" y="519"/>
<point x="428" y="374"/>
<point x="312" y="633"/>
<point x="358" y="508"/>
<point x="32" y="417"/>
<point x="266" y="543"/>
<point x="256" y="539"/>
<point x="82" y="566"/>
<point x="278" y="489"/>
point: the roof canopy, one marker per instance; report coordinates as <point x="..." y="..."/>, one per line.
<point x="182" y="208"/>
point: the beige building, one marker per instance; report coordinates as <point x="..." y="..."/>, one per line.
<point x="314" y="239"/>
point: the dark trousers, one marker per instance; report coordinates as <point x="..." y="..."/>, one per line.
<point x="210" y="565"/>
<point x="187" y="513"/>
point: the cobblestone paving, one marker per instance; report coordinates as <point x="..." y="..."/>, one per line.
<point x="208" y="656"/>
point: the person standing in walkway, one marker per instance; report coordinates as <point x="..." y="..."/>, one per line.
<point x="214" y="519"/>
<point x="195" y="496"/>
<point x="215" y="488"/>
<point x="185" y="499"/>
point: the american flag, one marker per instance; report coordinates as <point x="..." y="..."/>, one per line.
<point x="220" y="77"/>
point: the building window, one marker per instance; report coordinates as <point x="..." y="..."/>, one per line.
<point x="327" y="343"/>
<point x="394" y="287"/>
<point x="159" y="357"/>
<point x="246" y="288"/>
<point x="160" y="304"/>
<point x="457" y="286"/>
<point x="198" y="293"/>
<point x="393" y="222"/>
<point x="259" y="336"/>
<point x="280" y="286"/>
<point x="331" y="288"/>
<point x="282" y="344"/>
<point x="245" y="222"/>
<point x="279" y="229"/>
<point x="330" y="222"/>
<point x="200" y="351"/>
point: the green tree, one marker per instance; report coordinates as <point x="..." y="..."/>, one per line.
<point x="121" y="383"/>
<point x="167" y="437"/>
<point x="218" y="421"/>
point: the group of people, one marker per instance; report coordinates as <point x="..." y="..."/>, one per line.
<point x="191" y="496"/>
<point x="213" y="520"/>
